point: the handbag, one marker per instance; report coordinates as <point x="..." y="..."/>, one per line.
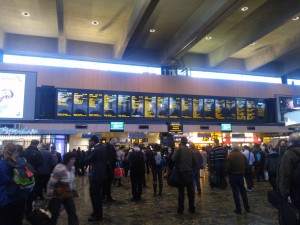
<point x="62" y="190"/>
<point x="119" y="171"/>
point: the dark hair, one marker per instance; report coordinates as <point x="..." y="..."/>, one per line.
<point x="94" y="138"/>
<point x="34" y="142"/>
<point x="67" y="157"/>
<point x="20" y="150"/>
<point x="184" y="140"/>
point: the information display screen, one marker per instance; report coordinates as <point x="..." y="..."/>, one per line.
<point x="95" y="105"/>
<point x="230" y="109"/>
<point x="124" y="106"/>
<point x="187" y="108"/>
<point x="198" y="108"/>
<point x="162" y="107"/>
<point x="80" y="104"/>
<point x="150" y="107"/>
<point x="137" y="106"/>
<point x="174" y="107"/>
<point x="241" y="109"/>
<point x="209" y="109"/>
<point x="64" y="103"/>
<point x="285" y="104"/>
<point x="261" y="109"/>
<point x="110" y="105"/>
<point x="220" y="108"/>
<point x="175" y="127"/>
<point x="251" y="110"/>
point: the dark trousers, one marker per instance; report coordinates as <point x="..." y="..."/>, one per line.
<point x="197" y="181"/>
<point x="96" y="198"/>
<point x="220" y="172"/>
<point x="137" y="179"/>
<point x="69" y="206"/>
<point x="249" y="178"/>
<point x="191" y="197"/>
<point x="106" y="189"/>
<point x="272" y="180"/>
<point x="157" y="175"/>
<point x="259" y="172"/>
<point x="41" y="184"/>
<point x="12" y="213"/>
<point x="237" y="185"/>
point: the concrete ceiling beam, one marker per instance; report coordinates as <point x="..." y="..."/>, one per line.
<point x="198" y="25"/>
<point x="264" y="20"/>
<point x="62" y="41"/>
<point x="134" y="18"/>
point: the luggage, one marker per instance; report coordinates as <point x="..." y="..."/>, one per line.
<point x="40" y="215"/>
<point x="288" y="214"/>
<point x="274" y="198"/>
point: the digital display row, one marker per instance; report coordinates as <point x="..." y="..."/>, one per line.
<point x="285" y="104"/>
<point x="73" y="103"/>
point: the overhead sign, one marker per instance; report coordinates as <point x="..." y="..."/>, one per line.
<point x="175" y="127"/>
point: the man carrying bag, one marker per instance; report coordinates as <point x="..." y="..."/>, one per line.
<point x="185" y="161"/>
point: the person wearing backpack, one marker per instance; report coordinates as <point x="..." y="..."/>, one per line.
<point x="259" y="162"/>
<point x="156" y="162"/>
<point x="271" y="165"/>
<point x="288" y="181"/>
<point x="12" y="201"/>
<point x="137" y="159"/>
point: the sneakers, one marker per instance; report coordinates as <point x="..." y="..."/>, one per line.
<point x="249" y="190"/>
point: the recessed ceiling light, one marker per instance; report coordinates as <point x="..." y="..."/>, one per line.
<point x="152" y="30"/>
<point x="25" y="13"/>
<point x="208" y="38"/>
<point x="245" y="8"/>
<point x="94" y="22"/>
<point x="296" y="18"/>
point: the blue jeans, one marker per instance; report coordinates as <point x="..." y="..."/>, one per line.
<point x="197" y="181"/>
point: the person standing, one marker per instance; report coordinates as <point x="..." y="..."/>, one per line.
<point x="60" y="190"/>
<point x="137" y="159"/>
<point x="35" y="159"/>
<point x="271" y="165"/>
<point x="97" y="159"/>
<point x="11" y="207"/>
<point x="218" y="159"/>
<point x="249" y="173"/>
<point x="110" y="167"/>
<point x="198" y="166"/>
<point x="156" y="163"/>
<point x="185" y="161"/>
<point x="236" y="167"/>
<point x="287" y="185"/>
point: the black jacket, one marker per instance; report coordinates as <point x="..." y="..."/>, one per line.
<point x="34" y="157"/>
<point x="98" y="158"/>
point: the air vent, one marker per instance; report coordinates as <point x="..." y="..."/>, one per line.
<point x="143" y="127"/>
<point x="81" y="126"/>
<point x="250" y="128"/>
<point x="204" y="127"/>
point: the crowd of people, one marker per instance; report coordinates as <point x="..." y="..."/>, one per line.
<point x="55" y="177"/>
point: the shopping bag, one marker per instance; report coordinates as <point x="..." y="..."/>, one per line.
<point x="119" y="171"/>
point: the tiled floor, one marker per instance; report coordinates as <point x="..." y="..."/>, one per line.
<point x="212" y="207"/>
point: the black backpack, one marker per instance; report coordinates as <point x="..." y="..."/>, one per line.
<point x="137" y="161"/>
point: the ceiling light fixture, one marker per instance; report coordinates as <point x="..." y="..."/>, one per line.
<point x="296" y="18"/>
<point x="208" y="38"/>
<point x="94" y="22"/>
<point x="25" y="13"/>
<point x="152" y="30"/>
<point x="244" y="9"/>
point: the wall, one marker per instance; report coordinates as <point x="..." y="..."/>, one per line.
<point x="103" y="80"/>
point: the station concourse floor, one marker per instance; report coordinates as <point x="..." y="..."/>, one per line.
<point x="213" y="206"/>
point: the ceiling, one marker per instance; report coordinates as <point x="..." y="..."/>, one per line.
<point x="205" y="35"/>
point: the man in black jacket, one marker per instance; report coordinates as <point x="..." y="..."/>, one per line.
<point x="33" y="156"/>
<point x="110" y="166"/>
<point x="97" y="159"/>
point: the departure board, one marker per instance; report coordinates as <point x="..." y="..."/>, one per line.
<point x="209" y="109"/>
<point x="261" y="109"/>
<point x="230" y="109"/>
<point x="124" y="106"/>
<point x="95" y="105"/>
<point x="137" y="106"/>
<point x="150" y="107"/>
<point x="187" y="108"/>
<point x="162" y="107"/>
<point x="285" y="104"/>
<point x="110" y="105"/>
<point x="220" y="107"/>
<point x="241" y="109"/>
<point x="64" y="103"/>
<point x="174" y="107"/>
<point x="175" y="127"/>
<point x="198" y="108"/>
<point x="251" y="110"/>
<point x="80" y="104"/>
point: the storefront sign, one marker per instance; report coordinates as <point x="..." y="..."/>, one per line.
<point x="12" y="131"/>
